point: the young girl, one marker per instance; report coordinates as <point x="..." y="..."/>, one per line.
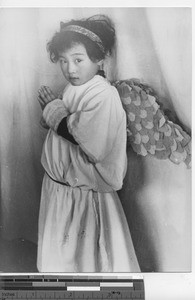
<point x="82" y="226"/>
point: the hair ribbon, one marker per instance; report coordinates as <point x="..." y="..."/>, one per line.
<point x="90" y="34"/>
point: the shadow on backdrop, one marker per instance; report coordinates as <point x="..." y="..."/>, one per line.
<point x="129" y="195"/>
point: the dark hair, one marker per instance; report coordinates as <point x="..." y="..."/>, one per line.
<point x="99" y="24"/>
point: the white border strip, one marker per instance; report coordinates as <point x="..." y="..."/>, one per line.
<point x="99" y="3"/>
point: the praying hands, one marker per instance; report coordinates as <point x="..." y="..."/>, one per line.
<point x="45" y="95"/>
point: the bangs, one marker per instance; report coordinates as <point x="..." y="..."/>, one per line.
<point x="67" y="41"/>
<point x="63" y="41"/>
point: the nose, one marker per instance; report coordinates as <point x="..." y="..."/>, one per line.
<point x="71" y="68"/>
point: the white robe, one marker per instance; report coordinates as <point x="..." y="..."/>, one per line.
<point x="82" y="226"/>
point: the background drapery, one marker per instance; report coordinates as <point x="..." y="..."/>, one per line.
<point x="153" y="44"/>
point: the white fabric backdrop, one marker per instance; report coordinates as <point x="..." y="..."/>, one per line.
<point x="153" y="44"/>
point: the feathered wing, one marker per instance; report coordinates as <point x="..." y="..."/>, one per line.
<point x="149" y="130"/>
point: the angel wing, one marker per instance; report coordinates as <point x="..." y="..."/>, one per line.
<point x="149" y="130"/>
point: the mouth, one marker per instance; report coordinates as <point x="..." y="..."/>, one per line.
<point x="73" y="78"/>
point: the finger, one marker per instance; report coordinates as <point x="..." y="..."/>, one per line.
<point x="39" y="98"/>
<point x="41" y="101"/>
<point x="45" y="95"/>
<point x="41" y="93"/>
<point x="41" y="104"/>
<point x="50" y="93"/>
<point x="43" y="90"/>
<point x="48" y="90"/>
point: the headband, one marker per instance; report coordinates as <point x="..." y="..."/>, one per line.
<point x="90" y="34"/>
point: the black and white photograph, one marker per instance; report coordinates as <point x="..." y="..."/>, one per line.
<point x="95" y="140"/>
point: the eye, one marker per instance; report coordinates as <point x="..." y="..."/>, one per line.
<point x="62" y="61"/>
<point x="78" y="60"/>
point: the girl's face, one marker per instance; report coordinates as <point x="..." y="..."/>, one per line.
<point x="76" y="65"/>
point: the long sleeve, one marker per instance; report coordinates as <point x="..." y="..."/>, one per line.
<point x="62" y="130"/>
<point x="54" y="112"/>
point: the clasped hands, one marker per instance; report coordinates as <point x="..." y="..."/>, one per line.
<point x="45" y="95"/>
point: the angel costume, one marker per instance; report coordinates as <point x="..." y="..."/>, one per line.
<point x="82" y="225"/>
